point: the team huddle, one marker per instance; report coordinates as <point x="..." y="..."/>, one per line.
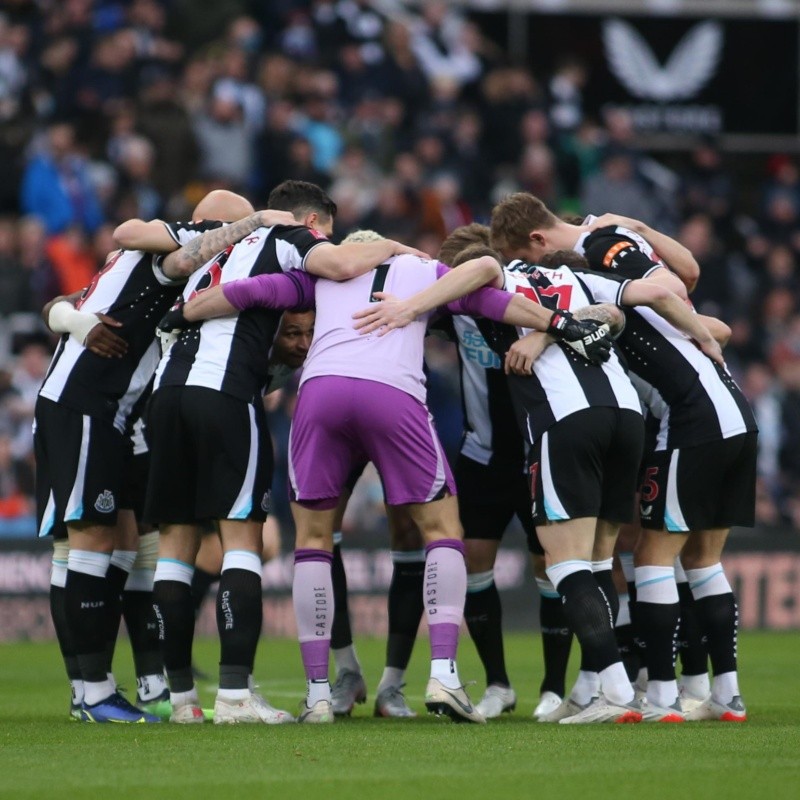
<point x="597" y="410"/>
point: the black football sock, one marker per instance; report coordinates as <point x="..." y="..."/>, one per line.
<point x="556" y="640"/>
<point x="691" y="647"/>
<point x="341" y="635"/>
<point x="589" y="615"/>
<point x="85" y="596"/>
<point x="66" y="642"/>
<point x="483" y="614"/>
<point x="239" y="618"/>
<point x="605" y="580"/>
<point x="115" y="583"/>
<point x="201" y="583"/>
<point x="405" y="607"/>
<point x="660" y="623"/>
<point x="142" y="624"/>
<point x="175" y="614"/>
<point x="623" y="630"/>
<point x="718" y="616"/>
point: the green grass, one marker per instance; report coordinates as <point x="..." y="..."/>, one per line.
<point x="44" y="755"/>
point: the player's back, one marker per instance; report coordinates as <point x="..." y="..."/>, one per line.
<point x="339" y="349"/>
<point x="562" y="382"/>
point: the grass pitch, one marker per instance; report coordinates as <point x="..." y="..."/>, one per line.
<point x="43" y="755"/>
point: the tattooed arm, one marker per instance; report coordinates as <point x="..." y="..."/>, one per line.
<point x="182" y="263"/>
<point x="521" y="355"/>
<point x="603" y="313"/>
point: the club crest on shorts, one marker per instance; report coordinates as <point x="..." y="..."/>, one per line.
<point x="105" y="502"/>
<point x="266" y="501"/>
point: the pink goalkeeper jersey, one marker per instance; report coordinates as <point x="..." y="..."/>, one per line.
<point x="338" y="349"/>
<point x="395" y="358"/>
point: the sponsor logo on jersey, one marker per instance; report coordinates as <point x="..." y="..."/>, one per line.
<point x="317" y="234"/>
<point x="105" y="503"/>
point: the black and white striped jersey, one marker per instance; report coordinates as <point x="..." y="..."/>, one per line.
<point x="133" y="290"/>
<point x="562" y="382"/>
<point x="183" y="232"/>
<point x="231" y="354"/>
<point x="703" y="402"/>
<point x="618" y="251"/>
<point x="491" y="434"/>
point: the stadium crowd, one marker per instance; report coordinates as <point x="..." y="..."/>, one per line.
<point x="113" y="109"/>
<point x="351" y="113"/>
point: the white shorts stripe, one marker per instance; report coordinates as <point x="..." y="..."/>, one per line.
<point x="439" y="480"/>
<point x="290" y="466"/>
<point x="553" y="508"/>
<point x="74" y="510"/>
<point x="244" y="502"/>
<point x="49" y="516"/>
<point x="673" y="515"/>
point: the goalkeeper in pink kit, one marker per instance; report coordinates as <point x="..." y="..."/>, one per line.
<point x="362" y="397"/>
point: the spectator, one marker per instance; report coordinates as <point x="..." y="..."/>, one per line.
<point x="137" y="158"/>
<point x="226" y="144"/>
<point x="14" y="286"/>
<point x="56" y="186"/>
<point x="163" y="120"/>
<point x="616" y="189"/>
<point x="443" y="47"/>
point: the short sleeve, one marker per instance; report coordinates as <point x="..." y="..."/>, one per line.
<point x="293" y="243"/>
<point x="610" y="251"/>
<point x="157" y="264"/>
<point x="183" y="232"/>
<point x="603" y="288"/>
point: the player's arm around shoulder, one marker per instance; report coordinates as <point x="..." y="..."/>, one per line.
<point x="341" y="262"/>
<point x="674" y="310"/>
<point x="93" y="330"/>
<point x="149" y="237"/>
<point x="181" y="263"/>
<point x="449" y="286"/>
<point x="677" y="257"/>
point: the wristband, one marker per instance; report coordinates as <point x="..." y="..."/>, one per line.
<point x="65" y="318"/>
<point x="558" y="322"/>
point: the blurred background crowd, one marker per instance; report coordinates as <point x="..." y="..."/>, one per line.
<point x="112" y="109"/>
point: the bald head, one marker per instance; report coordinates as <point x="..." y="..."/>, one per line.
<point x="222" y="205"/>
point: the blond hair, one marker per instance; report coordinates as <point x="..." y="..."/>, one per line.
<point x="363" y="236"/>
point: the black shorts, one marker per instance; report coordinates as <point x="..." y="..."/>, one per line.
<point x="489" y="497"/>
<point x="701" y="488"/>
<point x="210" y="457"/>
<point x="134" y="486"/>
<point x="80" y="462"/>
<point x="586" y="465"/>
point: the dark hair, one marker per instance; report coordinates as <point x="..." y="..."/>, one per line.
<point x="563" y="258"/>
<point x="301" y="197"/>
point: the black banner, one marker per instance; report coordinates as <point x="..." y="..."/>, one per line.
<point x="675" y="75"/>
